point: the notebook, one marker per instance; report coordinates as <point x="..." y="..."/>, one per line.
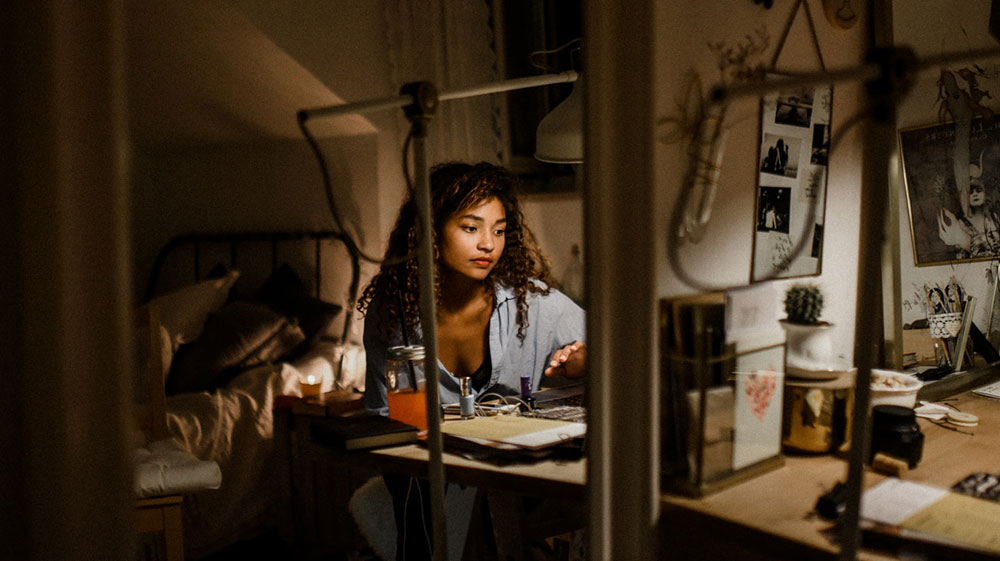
<point x="359" y="432"/>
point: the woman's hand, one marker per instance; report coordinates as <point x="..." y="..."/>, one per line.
<point x="569" y="361"/>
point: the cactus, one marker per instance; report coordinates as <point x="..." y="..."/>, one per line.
<point x="803" y="303"/>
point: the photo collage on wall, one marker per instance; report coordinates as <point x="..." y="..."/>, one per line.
<point x="791" y="182"/>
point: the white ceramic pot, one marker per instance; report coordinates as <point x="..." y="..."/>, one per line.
<point x="808" y="347"/>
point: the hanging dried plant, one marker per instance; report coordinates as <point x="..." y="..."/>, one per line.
<point x="701" y="126"/>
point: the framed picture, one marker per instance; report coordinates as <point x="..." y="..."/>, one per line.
<point x="952" y="190"/>
<point x="791" y="182"/>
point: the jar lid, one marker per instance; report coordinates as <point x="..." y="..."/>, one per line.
<point x="962" y="419"/>
<point x="894" y="418"/>
<point x="411" y="352"/>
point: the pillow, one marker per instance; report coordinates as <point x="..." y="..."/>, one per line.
<point x="240" y="336"/>
<point x="184" y="311"/>
<point x="285" y="293"/>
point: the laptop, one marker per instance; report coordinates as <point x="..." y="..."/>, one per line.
<point x="566" y="394"/>
<point x="565" y="402"/>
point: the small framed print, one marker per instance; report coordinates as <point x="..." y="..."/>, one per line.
<point x="791" y="182"/>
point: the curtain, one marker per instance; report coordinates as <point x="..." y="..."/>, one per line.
<point x="451" y="43"/>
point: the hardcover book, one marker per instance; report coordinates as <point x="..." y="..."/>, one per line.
<point x="359" y="432"/>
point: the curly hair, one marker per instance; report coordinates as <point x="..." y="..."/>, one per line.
<point x="457" y="186"/>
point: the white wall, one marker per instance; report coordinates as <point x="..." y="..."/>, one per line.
<point x="557" y="222"/>
<point x="262" y="186"/>
<point x="935" y="28"/>
<point x="267" y="181"/>
<point x="723" y="258"/>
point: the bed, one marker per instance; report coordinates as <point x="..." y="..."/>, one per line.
<point x="243" y="318"/>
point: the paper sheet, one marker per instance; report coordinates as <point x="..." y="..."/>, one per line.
<point x="964" y="519"/>
<point x="527" y="432"/>
<point x="894" y="500"/>
<point x="990" y="390"/>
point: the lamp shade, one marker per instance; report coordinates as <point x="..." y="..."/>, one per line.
<point x="559" y="138"/>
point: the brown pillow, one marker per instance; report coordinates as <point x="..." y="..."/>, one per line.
<point x="240" y="336"/>
<point x="285" y="293"/>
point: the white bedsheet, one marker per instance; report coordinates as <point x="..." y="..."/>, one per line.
<point x="234" y="427"/>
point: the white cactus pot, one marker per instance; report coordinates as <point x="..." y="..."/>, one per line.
<point x="808" y="348"/>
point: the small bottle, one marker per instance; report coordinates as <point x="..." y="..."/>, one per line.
<point x="466" y="400"/>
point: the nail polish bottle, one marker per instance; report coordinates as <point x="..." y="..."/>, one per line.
<point x="466" y="400"/>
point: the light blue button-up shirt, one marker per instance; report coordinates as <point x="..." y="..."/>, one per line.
<point x="554" y="321"/>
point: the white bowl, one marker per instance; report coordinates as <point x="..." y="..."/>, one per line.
<point x="889" y="387"/>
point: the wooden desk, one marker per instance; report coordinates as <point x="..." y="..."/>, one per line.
<point x="322" y="479"/>
<point x="769" y="516"/>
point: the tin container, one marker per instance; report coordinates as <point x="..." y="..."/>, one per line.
<point x="816" y="416"/>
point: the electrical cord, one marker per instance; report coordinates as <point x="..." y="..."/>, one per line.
<point x="678" y="219"/>
<point x="423" y="519"/>
<point x="331" y="200"/>
<point x="506" y="400"/>
<point x="406" y="507"/>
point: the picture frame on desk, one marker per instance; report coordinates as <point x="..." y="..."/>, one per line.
<point x="721" y="412"/>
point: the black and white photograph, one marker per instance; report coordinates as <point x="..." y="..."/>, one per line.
<point x="820" y="145"/>
<point x="952" y="190"/>
<point x="773" y="204"/>
<point x="781" y="156"/>
<point x="817" y="241"/>
<point x="794" y="108"/>
<point x="794" y="154"/>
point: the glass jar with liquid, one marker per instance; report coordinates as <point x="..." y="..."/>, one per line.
<point x="405" y="386"/>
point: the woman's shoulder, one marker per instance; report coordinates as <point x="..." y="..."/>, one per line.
<point x="540" y="293"/>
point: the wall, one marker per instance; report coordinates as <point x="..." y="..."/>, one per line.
<point x="934" y="28"/>
<point x="193" y="177"/>
<point x="557" y="222"/>
<point x="723" y="257"/>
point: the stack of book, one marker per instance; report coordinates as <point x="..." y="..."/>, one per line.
<point x="360" y="432"/>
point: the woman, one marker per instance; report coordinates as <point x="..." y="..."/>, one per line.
<point x="976" y="233"/>
<point x="498" y="318"/>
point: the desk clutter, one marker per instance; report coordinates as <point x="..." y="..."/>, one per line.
<point x="960" y="525"/>
<point x="505" y="430"/>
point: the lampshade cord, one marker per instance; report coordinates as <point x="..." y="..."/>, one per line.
<point x="331" y="200"/>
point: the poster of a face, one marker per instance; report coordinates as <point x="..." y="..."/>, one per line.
<point x="954" y="213"/>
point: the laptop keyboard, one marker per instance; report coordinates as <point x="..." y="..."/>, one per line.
<point x="572" y="400"/>
<point x="570" y="413"/>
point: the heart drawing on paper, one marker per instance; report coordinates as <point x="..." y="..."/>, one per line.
<point x="759" y="388"/>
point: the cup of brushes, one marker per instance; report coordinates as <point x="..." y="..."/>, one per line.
<point x="948" y="310"/>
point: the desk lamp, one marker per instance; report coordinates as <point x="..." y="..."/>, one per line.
<point x="419" y="100"/>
